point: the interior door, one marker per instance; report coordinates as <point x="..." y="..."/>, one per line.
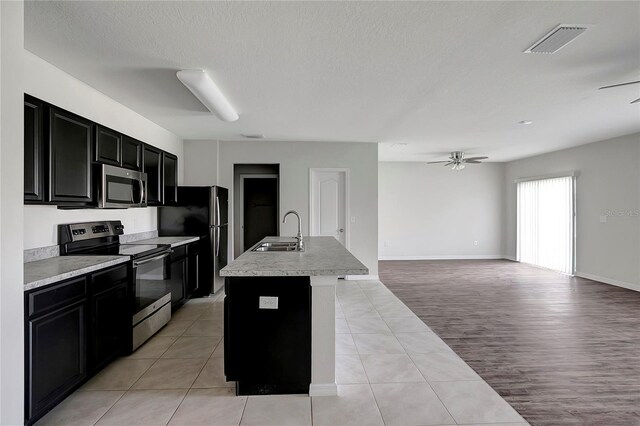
<point x="328" y="204"/>
<point x="260" y="209"/>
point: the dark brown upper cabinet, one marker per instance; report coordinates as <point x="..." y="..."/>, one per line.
<point x="33" y="150"/>
<point x="170" y="178"/>
<point x="70" y="155"/>
<point x="131" y="153"/>
<point x="152" y="166"/>
<point x="108" y="146"/>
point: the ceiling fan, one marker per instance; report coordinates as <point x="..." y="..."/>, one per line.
<point x="622" y="84"/>
<point x="457" y="160"/>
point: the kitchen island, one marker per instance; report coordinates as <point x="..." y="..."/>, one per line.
<point x="267" y="289"/>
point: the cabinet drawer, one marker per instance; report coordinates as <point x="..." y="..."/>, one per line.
<point x="50" y="298"/>
<point x="104" y="280"/>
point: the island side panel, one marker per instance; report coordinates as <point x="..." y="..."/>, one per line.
<point x="323" y="336"/>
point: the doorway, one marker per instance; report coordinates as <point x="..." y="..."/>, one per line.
<point x="329" y="204"/>
<point x="257" y="200"/>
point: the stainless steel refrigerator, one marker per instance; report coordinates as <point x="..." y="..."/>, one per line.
<point x="203" y="211"/>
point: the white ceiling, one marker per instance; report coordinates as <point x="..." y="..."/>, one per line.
<point x="439" y="76"/>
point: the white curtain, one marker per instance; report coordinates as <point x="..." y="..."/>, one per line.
<point x="546" y="223"/>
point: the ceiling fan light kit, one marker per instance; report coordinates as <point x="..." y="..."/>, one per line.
<point x="457" y="161"/>
<point x="203" y="88"/>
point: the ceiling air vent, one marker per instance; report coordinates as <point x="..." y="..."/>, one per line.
<point x="556" y="39"/>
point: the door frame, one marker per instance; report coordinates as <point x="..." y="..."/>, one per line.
<point x="347" y="201"/>
<point x="244" y="176"/>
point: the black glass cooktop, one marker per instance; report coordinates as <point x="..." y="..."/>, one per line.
<point x="133" y="250"/>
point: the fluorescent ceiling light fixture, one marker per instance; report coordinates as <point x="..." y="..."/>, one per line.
<point x="203" y="88"/>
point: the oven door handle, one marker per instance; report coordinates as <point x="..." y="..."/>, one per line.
<point x="153" y="259"/>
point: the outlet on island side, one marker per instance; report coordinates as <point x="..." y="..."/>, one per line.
<point x="475" y="242"/>
<point x="267" y="302"/>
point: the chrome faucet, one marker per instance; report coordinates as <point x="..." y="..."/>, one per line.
<point x="299" y="234"/>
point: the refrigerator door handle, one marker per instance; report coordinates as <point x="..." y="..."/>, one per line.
<point x="219" y="219"/>
<point x="217" y="241"/>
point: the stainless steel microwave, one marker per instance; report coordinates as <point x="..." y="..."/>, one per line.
<point x="120" y="188"/>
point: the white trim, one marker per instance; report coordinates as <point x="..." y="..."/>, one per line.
<point x="547" y="176"/>
<point x="244" y="176"/>
<point x="323" y="389"/>
<point x="361" y="277"/>
<point x="347" y="202"/>
<point x="617" y="283"/>
<point x="446" y="257"/>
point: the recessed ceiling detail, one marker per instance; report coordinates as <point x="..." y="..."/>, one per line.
<point x="556" y="39"/>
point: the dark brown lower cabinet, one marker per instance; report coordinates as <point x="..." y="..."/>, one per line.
<point x="108" y="326"/>
<point x="57" y="357"/>
<point x="73" y="329"/>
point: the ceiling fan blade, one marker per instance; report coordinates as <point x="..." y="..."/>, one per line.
<point x="618" y="85"/>
<point x="449" y="163"/>
<point x="436" y="162"/>
<point x="475" y="158"/>
<point x="472" y="162"/>
<point x="636" y="101"/>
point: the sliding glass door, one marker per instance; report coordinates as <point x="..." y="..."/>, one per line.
<point x="546" y="223"/>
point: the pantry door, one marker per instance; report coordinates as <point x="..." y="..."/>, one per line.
<point x="329" y="204"/>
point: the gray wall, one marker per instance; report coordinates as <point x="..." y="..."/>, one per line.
<point x="432" y="212"/>
<point x="608" y="182"/>
<point x="295" y="159"/>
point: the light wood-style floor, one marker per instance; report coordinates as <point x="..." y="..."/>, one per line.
<point x="560" y="350"/>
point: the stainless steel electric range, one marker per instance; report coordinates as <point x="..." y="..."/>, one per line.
<point x="151" y="287"/>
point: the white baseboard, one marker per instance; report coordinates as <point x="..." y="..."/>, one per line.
<point x="323" y="389"/>
<point x="623" y="284"/>
<point x="361" y="277"/>
<point x="446" y="257"/>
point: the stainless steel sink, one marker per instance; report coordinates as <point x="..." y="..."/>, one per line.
<point x="277" y="246"/>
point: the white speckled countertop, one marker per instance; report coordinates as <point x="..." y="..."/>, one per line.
<point x="322" y="256"/>
<point x="173" y="241"/>
<point x="42" y="272"/>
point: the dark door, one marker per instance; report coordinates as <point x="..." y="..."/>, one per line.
<point x="131" y="153"/>
<point x="57" y="345"/>
<point x="70" y="146"/>
<point x="260" y="209"/>
<point x="33" y="150"/>
<point x="152" y="160"/>
<point x="108" y="325"/>
<point x="170" y="178"/>
<point x="108" y="146"/>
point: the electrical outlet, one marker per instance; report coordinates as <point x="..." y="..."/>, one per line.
<point x="385" y="243"/>
<point x="353" y="219"/>
<point x="268" y="302"/>
<point x="475" y="243"/>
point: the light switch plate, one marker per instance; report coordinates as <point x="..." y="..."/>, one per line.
<point x="268" y="302"/>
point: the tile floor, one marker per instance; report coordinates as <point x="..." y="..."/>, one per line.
<point x="391" y="369"/>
